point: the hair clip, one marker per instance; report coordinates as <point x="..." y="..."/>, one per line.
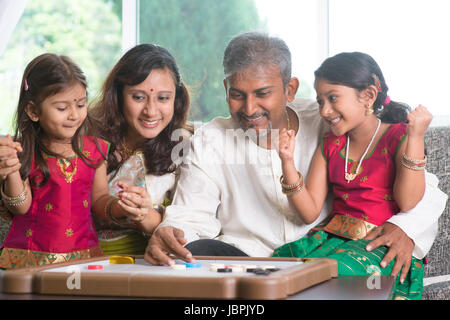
<point x="387" y="101"/>
<point x="26" y="85"/>
<point x="377" y="81"/>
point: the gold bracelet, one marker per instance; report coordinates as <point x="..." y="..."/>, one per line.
<point x="415" y="161"/>
<point x="108" y="211"/>
<point x="106" y="208"/>
<point x="295" y="188"/>
<point x="291" y="186"/>
<point x="412" y="167"/>
<point x="294" y="191"/>
<point x="14" y="201"/>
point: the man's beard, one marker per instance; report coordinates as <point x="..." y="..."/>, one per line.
<point x="260" y="136"/>
<point x="242" y="116"/>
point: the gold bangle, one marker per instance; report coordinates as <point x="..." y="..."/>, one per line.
<point x="415" y="161"/>
<point x="412" y="167"/>
<point x="294" y="185"/>
<point x="294" y="191"/>
<point x="108" y="212"/>
<point x="107" y="205"/>
<point x="297" y="188"/>
<point x="14" y="201"/>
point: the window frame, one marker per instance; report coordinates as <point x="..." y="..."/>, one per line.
<point x="130" y="24"/>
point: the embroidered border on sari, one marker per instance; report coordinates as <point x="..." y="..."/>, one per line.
<point x="348" y="227"/>
<point x="12" y="258"/>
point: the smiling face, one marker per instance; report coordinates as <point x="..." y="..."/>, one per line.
<point x="340" y="106"/>
<point x="257" y="98"/>
<point x="60" y="115"/>
<point x="149" y="106"/>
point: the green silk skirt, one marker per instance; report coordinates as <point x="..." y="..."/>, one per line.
<point x="354" y="260"/>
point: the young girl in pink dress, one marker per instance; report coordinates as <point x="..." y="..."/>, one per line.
<point x="373" y="160"/>
<point x="62" y="175"/>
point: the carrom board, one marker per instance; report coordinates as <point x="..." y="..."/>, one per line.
<point x="144" y="280"/>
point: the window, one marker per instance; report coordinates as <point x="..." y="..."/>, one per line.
<point x="408" y="39"/>
<point x="197" y="34"/>
<point x="303" y="25"/>
<point x="89" y="31"/>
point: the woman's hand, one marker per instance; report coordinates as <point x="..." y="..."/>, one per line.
<point x="138" y="207"/>
<point x="135" y="201"/>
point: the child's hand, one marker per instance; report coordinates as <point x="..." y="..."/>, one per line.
<point x="286" y="144"/>
<point x="9" y="160"/>
<point x="419" y="119"/>
<point x="135" y="201"/>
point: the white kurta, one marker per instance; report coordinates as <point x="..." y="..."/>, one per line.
<point x="229" y="189"/>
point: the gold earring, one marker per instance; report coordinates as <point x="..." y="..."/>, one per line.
<point x="369" y="110"/>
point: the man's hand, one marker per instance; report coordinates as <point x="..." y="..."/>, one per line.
<point x="399" y="244"/>
<point x="165" y="241"/>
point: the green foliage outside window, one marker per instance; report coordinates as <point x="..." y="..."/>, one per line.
<point x="89" y="31"/>
<point x="196" y="32"/>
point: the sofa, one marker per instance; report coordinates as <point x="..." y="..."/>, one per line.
<point x="437" y="271"/>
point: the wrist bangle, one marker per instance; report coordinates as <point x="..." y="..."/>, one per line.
<point x="14" y="201"/>
<point x="108" y="212"/>
<point x="414" y="167"/>
<point x="291" y="186"/>
<point x="421" y="162"/>
<point x="413" y="164"/>
<point x="291" y="189"/>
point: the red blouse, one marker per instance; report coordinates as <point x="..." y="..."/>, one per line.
<point x="369" y="196"/>
<point x="59" y="225"/>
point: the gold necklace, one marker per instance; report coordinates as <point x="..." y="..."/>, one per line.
<point x="64" y="164"/>
<point x="127" y="151"/>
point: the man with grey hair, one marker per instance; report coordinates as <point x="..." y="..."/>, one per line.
<point x="252" y="49"/>
<point x="229" y="199"/>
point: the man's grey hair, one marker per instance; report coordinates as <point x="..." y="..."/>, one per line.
<point x="259" y="49"/>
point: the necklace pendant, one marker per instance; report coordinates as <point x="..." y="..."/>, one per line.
<point x="350" y="176"/>
<point x="64" y="164"/>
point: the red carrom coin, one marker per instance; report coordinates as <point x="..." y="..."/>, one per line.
<point x="95" y="267"/>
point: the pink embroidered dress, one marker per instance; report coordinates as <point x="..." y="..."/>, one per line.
<point x="58" y="226"/>
<point x="367" y="201"/>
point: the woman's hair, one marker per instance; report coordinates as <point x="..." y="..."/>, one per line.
<point x="107" y="111"/>
<point x="46" y="75"/>
<point x="359" y="71"/>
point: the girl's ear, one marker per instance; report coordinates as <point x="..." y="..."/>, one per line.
<point x="32" y="111"/>
<point x="369" y="95"/>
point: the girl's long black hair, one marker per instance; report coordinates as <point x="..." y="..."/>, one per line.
<point x="359" y="71"/>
